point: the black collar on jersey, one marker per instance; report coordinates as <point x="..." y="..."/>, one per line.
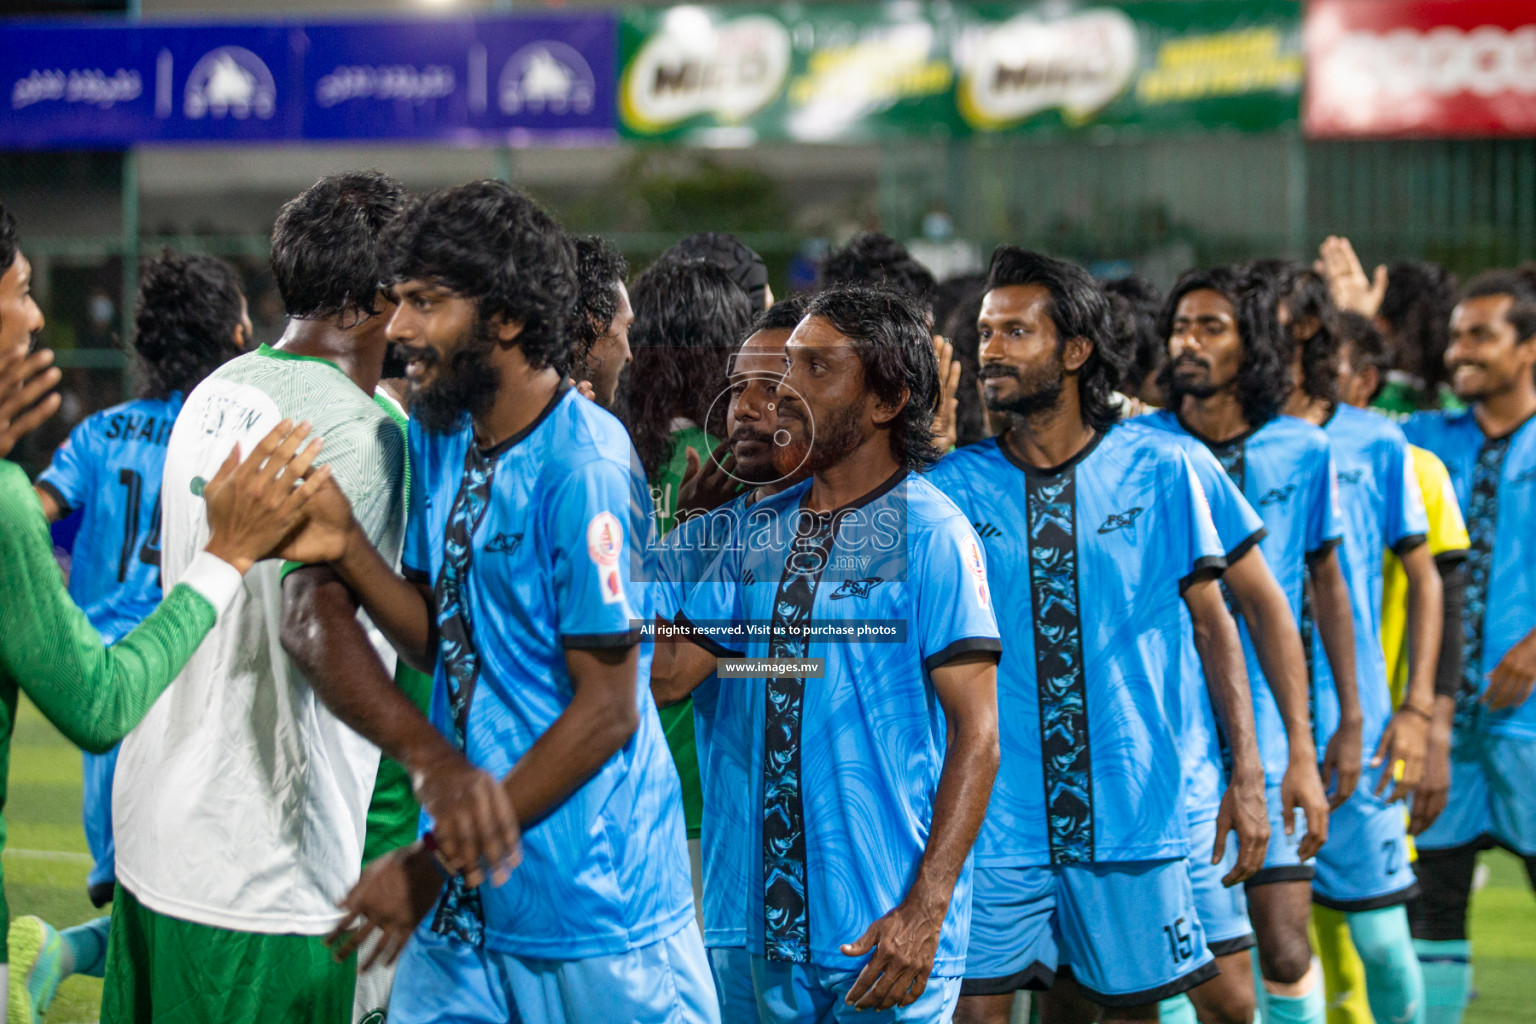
<point x="1083" y="452"/>
<point x="859" y="502"/>
<point x="1209" y="443"/>
<point x="497" y="449"/>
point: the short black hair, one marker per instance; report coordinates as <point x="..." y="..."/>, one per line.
<point x="783" y="315"/>
<point x="1417" y="309"/>
<point x="739" y="260"/>
<point x="1078" y="309"/>
<point x="489" y="242"/>
<point x="961" y="330"/>
<point x="875" y="260"/>
<point x="690" y="316"/>
<point x="1306" y="298"/>
<point x="1264" y="379"/>
<point x="1521" y="290"/>
<point x="327" y="256"/>
<point x="600" y="268"/>
<point x="10" y="243"/>
<point x="1367" y="348"/>
<point x="184" y="327"/>
<point x="890" y="333"/>
<point x="1133" y="306"/>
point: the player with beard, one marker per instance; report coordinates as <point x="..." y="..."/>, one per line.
<point x="600" y="330"/>
<point x="528" y="565"/>
<point x="240" y="802"/>
<point x="1490" y="451"/>
<point x="1099" y="866"/>
<point x="721" y="719"/>
<point x="1228" y="378"/>
<point x="873" y="776"/>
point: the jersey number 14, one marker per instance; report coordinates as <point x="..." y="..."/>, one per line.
<point x="149" y="549"/>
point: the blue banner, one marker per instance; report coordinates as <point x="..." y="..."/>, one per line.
<point x="467" y="81"/>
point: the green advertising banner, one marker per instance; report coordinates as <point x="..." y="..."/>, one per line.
<point x="833" y="73"/>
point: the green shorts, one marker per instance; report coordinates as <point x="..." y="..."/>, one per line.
<point x="168" y="971"/>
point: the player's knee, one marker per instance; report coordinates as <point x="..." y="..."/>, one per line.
<point x="1286" y="961"/>
<point x="984" y="1009"/>
<point x="1229" y="1008"/>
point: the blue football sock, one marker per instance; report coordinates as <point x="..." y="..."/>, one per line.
<point x="1178" y="1010"/>
<point x="1394" y="983"/>
<point x="1447" y="968"/>
<point x="88" y="944"/>
<point x="1311" y="1008"/>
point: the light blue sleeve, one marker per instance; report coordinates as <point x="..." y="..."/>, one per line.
<point x="71" y="476"/>
<point x="715" y="605"/>
<point x="1407" y="524"/>
<point x="1195" y="547"/>
<point x="416" y="553"/>
<point x="1237" y="524"/>
<point x="598" y="595"/>
<point x="954" y="603"/>
<point x="1325" y="527"/>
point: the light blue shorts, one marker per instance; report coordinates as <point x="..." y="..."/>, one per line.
<point x="445" y="981"/>
<point x="807" y="994"/>
<point x="96" y="811"/>
<point x="1223" y="911"/>
<point x="1129" y="931"/>
<point x="732" y="968"/>
<point x="1493" y="795"/>
<point x="1281" y="864"/>
<point x="1365" y="865"/>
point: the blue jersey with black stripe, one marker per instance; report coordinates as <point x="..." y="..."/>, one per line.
<point x="1202" y="743"/>
<point x="722" y="724"/>
<point x="1097" y="553"/>
<point x="538" y="546"/>
<point x="110" y="467"/>
<point x="1382" y="510"/>
<point x="1495" y="480"/>
<point x="844" y="767"/>
<point x="1285" y="469"/>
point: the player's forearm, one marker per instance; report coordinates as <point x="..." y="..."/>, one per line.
<point x="1425" y="609"/>
<point x="1226" y="680"/>
<point x="959" y="808"/>
<point x="397" y="606"/>
<point x="1336" y="627"/>
<point x="1277" y="642"/>
<point x="677" y="669"/>
<point x="322" y="634"/>
<point x="600" y="719"/>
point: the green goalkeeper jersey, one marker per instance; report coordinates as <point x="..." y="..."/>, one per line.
<point x="93" y="693"/>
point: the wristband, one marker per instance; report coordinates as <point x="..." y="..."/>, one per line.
<point x="1417" y="711"/>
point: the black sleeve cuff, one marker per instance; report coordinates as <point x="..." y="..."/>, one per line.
<point x="1408" y="543"/>
<point x="1450" y="559"/>
<point x="1247" y="544"/>
<point x="414" y="575"/>
<point x="705" y="641"/>
<point x="1322" y="550"/>
<point x="58" y="499"/>
<point x="1208" y="568"/>
<point x="965" y="645"/>
<point x="600" y="641"/>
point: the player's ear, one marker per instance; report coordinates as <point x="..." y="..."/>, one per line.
<point x="883" y="411"/>
<point x="1075" y="353"/>
<point x="507" y="331"/>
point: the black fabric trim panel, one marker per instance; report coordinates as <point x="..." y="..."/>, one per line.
<point x="1036" y="978"/>
<point x="1247" y="544"/>
<point x="1198" y="976"/>
<point x="1226" y="947"/>
<point x="1449" y="559"/>
<point x="1391" y="899"/>
<point x="1323" y="549"/>
<point x="600" y="641"/>
<point x="1208" y="568"/>
<point x="414" y="575"/>
<point x="500" y="447"/>
<point x="965" y="645"/>
<point x="1486" y="841"/>
<point x="1057" y="470"/>
<point x="1284" y="873"/>
<point x="1408" y="543"/>
<point x="706" y="641"/>
<point x="58" y="499"/>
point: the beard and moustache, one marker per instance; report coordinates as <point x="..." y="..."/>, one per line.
<point x="1179" y="386"/>
<point x="467" y="384"/>
<point x="837" y="437"/>
<point x="1039" y="389"/>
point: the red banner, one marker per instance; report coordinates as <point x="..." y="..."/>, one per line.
<point x="1403" y="68"/>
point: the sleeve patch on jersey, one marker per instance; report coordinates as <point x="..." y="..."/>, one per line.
<point x="613" y="587"/>
<point x="978" y="568"/>
<point x="605" y="539"/>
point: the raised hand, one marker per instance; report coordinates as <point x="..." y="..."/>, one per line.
<point x="1351" y="290"/>
<point x="25" y="400"/>
<point x="706" y="488"/>
<point x="325" y="531"/>
<point x="255" y="503"/>
<point x="946" y="431"/>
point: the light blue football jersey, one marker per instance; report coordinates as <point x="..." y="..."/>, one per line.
<point x="1495" y="480"/>
<point x="1285" y="470"/>
<point x="845" y="767"/>
<point x="1097" y="553"/>
<point x="1382" y="510"/>
<point x="541" y="545"/>
<point x="111" y="466"/>
<point x="725" y="720"/>
<point x="1202" y="742"/>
